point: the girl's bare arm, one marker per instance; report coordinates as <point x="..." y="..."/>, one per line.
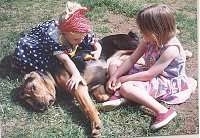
<point x="68" y="63"/>
<point x="135" y="56"/>
<point x="165" y="59"/>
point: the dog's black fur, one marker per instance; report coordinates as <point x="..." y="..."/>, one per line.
<point x="110" y="44"/>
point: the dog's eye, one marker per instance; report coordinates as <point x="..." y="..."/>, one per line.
<point x="33" y="87"/>
<point x="24" y="96"/>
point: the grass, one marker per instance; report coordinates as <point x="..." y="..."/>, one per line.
<point x="64" y="119"/>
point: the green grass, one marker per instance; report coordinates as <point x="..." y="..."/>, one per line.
<point x="187" y="25"/>
<point x="65" y="119"/>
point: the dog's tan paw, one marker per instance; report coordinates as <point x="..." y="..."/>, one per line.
<point x="100" y="94"/>
<point x="96" y="129"/>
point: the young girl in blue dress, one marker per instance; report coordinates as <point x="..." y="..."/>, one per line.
<point x="56" y="41"/>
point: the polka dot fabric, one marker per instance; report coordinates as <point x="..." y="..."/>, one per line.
<point x="36" y="49"/>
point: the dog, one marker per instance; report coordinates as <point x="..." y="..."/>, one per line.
<point x="39" y="89"/>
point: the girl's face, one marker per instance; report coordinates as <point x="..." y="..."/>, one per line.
<point x="74" y="38"/>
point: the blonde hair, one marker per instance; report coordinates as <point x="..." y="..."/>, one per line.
<point x="70" y="8"/>
<point x="159" y="21"/>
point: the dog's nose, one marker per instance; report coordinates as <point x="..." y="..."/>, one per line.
<point x="41" y="106"/>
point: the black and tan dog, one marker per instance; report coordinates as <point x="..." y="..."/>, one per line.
<point x="39" y="89"/>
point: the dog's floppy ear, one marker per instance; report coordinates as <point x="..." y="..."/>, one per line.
<point x="133" y="35"/>
<point x="21" y="95"/>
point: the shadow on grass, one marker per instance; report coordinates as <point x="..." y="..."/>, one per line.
<point x="6" y="70"/>
<point x="63" y="100"/>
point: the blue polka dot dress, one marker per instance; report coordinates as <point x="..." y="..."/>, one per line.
<point x="36" y="50"/>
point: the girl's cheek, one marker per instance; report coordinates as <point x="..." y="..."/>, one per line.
<point x="70" y="41"/>
<point x="78" y="41"/>
<point x="74" y="42"/>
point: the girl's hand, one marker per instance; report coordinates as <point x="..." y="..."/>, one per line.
<point x="123" y="79"/>
<point x="111" y="85"/>
<point x="74" y="81"/>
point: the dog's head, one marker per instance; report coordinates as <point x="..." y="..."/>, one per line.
<point x="112" y="43"/>
<point x="38" y="90"/>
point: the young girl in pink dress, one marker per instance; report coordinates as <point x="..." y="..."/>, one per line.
<point x="162" y="77"/>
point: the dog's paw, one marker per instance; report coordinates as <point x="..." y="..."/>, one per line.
<point x="96" y="129"/>
<point x="100" y="94"/>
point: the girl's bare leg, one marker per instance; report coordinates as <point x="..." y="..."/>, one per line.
<point x="140" y="96"/>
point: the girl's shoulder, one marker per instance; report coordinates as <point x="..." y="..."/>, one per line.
<point x="54" y="32"/>
<point x="173" y="42"/>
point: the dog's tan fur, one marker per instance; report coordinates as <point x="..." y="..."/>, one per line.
<point x="39" y="90"/>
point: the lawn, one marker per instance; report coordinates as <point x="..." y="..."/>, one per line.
<point x="64" y="119"/>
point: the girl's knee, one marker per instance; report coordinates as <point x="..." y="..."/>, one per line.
<point x="126" y="89"/>
<point x="129" y="88"/>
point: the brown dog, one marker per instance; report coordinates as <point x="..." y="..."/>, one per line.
<point x="38" y="89"/>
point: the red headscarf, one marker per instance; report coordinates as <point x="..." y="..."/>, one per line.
<point x="77" y="22"/>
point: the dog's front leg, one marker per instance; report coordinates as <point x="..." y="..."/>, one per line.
<point x="82" y="96"/>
